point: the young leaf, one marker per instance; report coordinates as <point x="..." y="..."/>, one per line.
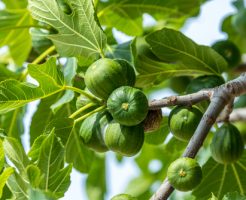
<point x="78" y="33"/>
<point x="17" y="39"/>
<point x="172" y="46"/>
<point x="60" y="181"/>
<point x="14" y="94"/>
<point x="127" y="15"/>
<point x="4" y="177"/>
<point x="18" y="187"/>
<point x="50" y="159"/>
<point x="229" y="178"/>
<point x="15" y="153"/>
<point x="35" y="149"/>
<point x="33" y="175"/>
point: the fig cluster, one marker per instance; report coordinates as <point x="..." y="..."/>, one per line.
<point x="120" y="127"/>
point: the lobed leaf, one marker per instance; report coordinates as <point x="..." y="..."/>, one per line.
<point x="229" y="178"/>
<point x="14" y="94"/>
<point x="79" y="34"/>
<point x="172" y="46"/>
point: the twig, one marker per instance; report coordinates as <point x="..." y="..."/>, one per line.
<point x="188" y="99"/>
<point x="225" y="114"/>
<point x="238" y="114"/>
<point x="221" y="96"/>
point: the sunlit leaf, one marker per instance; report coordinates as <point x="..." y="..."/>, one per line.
<point x="14" y="94"/>
<point x="127" y="15"/>
<point x="14" y="33"/>
<point x="78" y="34"/>
<point x="172" y="46"/>
<point x="4" y="177"/>
<point x="15" y="153"/>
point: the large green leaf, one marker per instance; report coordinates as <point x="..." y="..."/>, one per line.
<point x="172" y="46"/>
<point x="4" y="177"/>
<point x="127" y="15"/>
<point x="221" y="179"/>
<point x="96" y="181"/>
<point x="50" y="158"/>
<point x="170" y="53"/>
<point x="78" y="34"/>
<point x="15" y="153"/>
<point x="42" y="117"/>
<point x="18" y="187"/>
<point x="14" y="33"/>
<point x="14" y="94"/>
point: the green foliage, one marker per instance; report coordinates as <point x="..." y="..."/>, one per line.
<point x="74" y="38"/>
<point x="50" y="46"/>
<point x="169" y="53"/>
<point x="229" y="51"/>
<point x="229" y="178"/>
<point x="18" y="40"/>
<point x="15" y="94"/>
<point x="127" y="16"/>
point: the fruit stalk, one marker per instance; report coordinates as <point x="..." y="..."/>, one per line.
<point x="221" y="96"/>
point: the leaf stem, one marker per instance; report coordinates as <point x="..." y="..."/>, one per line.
<point x="91" y="97"/>
<point x="81" y="110"/>
<point x="90" y="113"/>
<point x="38" y="60"/>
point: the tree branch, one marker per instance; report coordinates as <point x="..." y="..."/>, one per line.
<point x="238" y="115"/>
<point x="221" y="96"/>
<point x="188" y="99"/>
